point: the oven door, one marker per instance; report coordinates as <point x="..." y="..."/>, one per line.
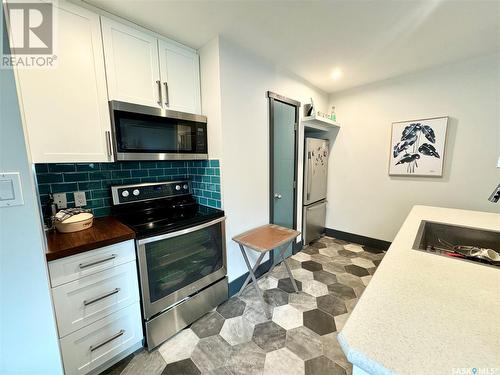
<point x="175" y="265"/>
<point x="148" y="133"/>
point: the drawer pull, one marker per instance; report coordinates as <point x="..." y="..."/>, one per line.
<point x="93" y="263"/>
<point x="94" y="300"/>
<point x="114" y="337"/>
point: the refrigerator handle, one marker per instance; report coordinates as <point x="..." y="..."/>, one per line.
<point x="309" y="172"/>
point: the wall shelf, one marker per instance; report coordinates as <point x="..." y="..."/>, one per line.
<point x="319" y="123"/>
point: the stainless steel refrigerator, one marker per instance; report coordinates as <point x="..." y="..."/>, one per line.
<point x="315" y="176"/>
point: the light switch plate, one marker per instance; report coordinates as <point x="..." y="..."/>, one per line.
<point x="10" y="190"/>
<point x="60" y="200"/>
<point x="80" y="198"/>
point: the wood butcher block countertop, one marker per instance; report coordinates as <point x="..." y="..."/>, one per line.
<point x="104" y="232"/>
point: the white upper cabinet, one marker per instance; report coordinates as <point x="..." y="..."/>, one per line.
<point x="65" y="108"/>
<point x="143" y="69"/>
<point x="132" y="68"/>
<point x="180" y="77"/>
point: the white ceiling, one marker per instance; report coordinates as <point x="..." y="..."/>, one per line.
<point x="368" y="40"/>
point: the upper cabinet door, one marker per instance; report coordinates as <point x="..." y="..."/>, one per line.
<point x="65" y="108"/>
<point x="132" y="67"/>
<point x="180" y="76"/>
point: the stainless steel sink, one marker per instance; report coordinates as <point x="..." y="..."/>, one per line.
<point x="431" y="236"/>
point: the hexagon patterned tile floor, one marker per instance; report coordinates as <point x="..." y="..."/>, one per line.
<point x="298" y="337"/>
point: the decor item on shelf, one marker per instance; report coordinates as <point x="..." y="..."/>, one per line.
<point x="417" y="147"/>
<point x="333" y="117"/>
<point x="309" y="109"/>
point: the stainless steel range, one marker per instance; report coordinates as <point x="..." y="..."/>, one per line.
<point x="181" y="254"/>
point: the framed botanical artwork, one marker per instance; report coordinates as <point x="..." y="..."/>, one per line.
<point x="417" y="147"/>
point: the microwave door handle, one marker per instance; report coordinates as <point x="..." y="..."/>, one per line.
<point x="159" y="93"/>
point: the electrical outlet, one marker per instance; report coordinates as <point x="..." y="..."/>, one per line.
<point x="60" y="200"/>
<point x="80" y="198"/>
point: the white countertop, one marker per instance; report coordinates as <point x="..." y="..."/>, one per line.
<point x="428" y="314"/>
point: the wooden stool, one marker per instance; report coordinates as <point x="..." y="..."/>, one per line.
<point x="264" y="239"/>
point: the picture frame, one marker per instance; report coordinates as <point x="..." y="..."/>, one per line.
<point x="418" y="147"/>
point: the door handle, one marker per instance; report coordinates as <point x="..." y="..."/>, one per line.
<point x="278" y="196"/>
<point x="159" y="93"/>
<point x="167" y="97"/>
<point x="309" y="175"/>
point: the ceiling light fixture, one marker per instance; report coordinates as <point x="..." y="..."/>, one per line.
<point x="336" y="74"/>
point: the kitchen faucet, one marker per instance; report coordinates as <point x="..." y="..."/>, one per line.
<point x="495" y="196"/>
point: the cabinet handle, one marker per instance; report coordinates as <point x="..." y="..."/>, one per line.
<point x="159" y="93"/>
<point x="96" y="299"/>
<point x="108" y="143"/>
<point x="114" y="337"/>
<point x="167" y="96"/>
<point x="93" y="263"/>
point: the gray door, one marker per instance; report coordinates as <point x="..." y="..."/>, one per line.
<point x="283" y="118"/>
<point x="315" y="170"/>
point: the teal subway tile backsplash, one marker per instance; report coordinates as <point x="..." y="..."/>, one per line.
<point x="97" y="178"/>
<point x="201" y="173"/>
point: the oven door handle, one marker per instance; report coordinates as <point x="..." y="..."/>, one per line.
<point x="180" y="232"/>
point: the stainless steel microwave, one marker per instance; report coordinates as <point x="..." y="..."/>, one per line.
<point x="148" y="133"/>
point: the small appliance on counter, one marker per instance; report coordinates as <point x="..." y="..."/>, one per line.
<point x="73" y="220"/>
<point x="315" y="176"/>
<point x="181" y="254"/>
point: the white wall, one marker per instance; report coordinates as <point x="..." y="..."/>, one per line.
<point x="211" y="95"/>
<point x="28" y="337"/>
<point x="244" y="81"/>
<point x="362" y="198"/>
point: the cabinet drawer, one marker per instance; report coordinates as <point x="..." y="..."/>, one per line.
<point x="86" y="300"/>
<point x="76" y="266"/>
<point x="91" y="346"/>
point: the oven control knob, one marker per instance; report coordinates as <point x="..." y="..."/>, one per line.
<point x="125" y="193"/>
<point x="136" y="192"/>
<point x="177" y="187"/>
<point x="185" y="186"/>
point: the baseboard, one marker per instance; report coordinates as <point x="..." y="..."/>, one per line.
<point x="297" y="246"/>
<point x="356" y="238"/>
<point x="235" y="285"/>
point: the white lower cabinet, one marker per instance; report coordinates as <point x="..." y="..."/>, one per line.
<point x="78" y="266"/>
<point x="98" y="310"/>
<point x="86" y="300"/>
<point x="91" y="346"/>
